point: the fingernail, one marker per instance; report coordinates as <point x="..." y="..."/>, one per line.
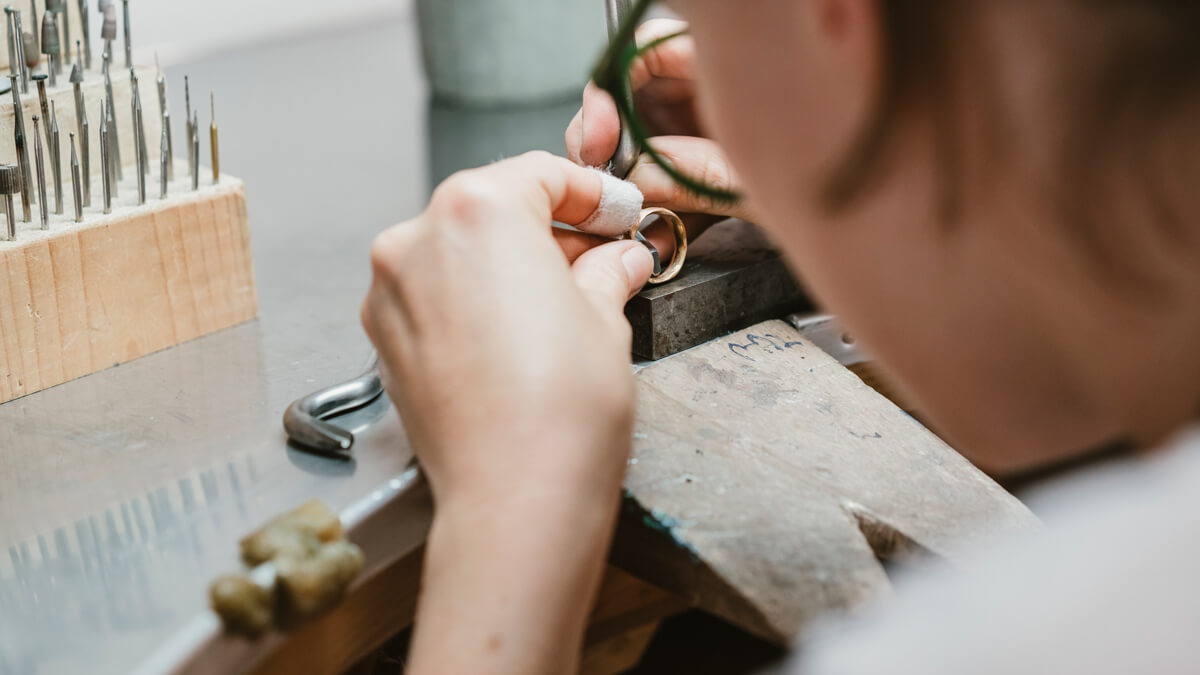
<point x="636" y="262"/>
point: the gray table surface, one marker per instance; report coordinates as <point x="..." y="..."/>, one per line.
<point x="123" y="493"/>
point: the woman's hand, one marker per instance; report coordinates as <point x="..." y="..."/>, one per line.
<point x="664" y="88"/>
<point x="509" y="366"/>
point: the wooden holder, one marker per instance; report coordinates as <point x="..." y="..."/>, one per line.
<point x="79" y="298"/>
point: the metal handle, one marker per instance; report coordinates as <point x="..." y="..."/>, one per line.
<point x="627" y="152"/>
<point x="305" y="422"/>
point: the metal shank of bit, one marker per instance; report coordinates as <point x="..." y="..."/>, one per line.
<point x="87" y="37"/>
<point x="82" y="123"/>
<point x="138" y="152"/>
<point x="10" y="184"/>
<point x="113" y="136"/>
<point x="13" y="66"/>
<point x="41" y="175"/>
<point x="66" y="33"/>
<point x="138" y="123"/>
<point x="33" y="13"/>
<point x="40" y="80"/>
<point x="128" y="39"/>
<point x="627" y="152"/>
<point x="21" y="65"/>
<point x="196" y="152"/>
<point x="76" y="187"/>
<point x="216" y="153"/>
<point x="187" y="120"/>
<point x="105" y="162"/>
<point x="22" y="155"/>
<point x="163" y="163"/>
<point x="56" y="161"/>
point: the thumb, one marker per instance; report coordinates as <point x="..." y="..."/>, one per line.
<point x="610" y="274"/>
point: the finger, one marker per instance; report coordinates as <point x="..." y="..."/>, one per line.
<point x="575" y="243"/>
<point x="599" y="127"/>
<point x="673" y="59"/>
<point x="573" y="138"/>
<point x="699" y="158"/>
<point x="611" y="274"/>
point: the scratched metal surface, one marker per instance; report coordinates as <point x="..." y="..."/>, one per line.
<point x="123" y="493"/>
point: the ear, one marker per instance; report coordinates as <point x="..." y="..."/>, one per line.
<point x="849" y="34"/>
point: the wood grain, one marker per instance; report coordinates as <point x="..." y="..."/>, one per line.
<point x="768" y="483"/>
<point x="80" y="298"/>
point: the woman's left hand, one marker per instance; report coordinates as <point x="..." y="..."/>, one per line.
<point x="508" y="362"/>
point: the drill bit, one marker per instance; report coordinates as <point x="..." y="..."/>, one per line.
<point x="50" y="46"/>
<point x="41" y="174"/>
<point x="65" y="22"/>
<point x="22" y="154"/>
<point x="76" y="185"/>
<point x="13" y="66"/>
<point x="139" y="151"/>
<point x="196" y="151"/>
<point x="137" y="122"/>
<point x="187" y="120"/>
<point x="87" y="41"/>
<point x="21" y="64"/>
<point x="128" y="40"/>
<point x="164" y="154"/>
<point x="113" y="136"/>
<point x="56" y="162"/>
<point x="10" y="184"/>
<point x="166" y="120"/>
<point x="82" y="122"/>
<point x="216" y="153"/>
<point x="40" y="79"/>
<point x="33" y="13"/>
<point x="105" y="162"/>
<point x="108" y="29"/>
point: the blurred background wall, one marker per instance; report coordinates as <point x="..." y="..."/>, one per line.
<point x="180" y="30"/>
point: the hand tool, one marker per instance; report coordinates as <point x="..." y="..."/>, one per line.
<point x="33" y="13"/>
<point x="50" y="46"/>
<point x="87" y="35"/>
<point x="196" y="151"/>
<point x="627" y="153"/>
<point x="216" y="154"/>
<point x="21" y="60"/>
<point x="105" y="160"/>
<point x="10" y="184"/>
<point x="40" y="80"/>
<point x="41" y="175"/>
<point x="622" y="163"/>
<point x="163" y="163"/>
<point x="82" y="123"/>
<point x="56" y="161"/>
<point x="306" y="419"/>
<point x="166" y="119"/>
<point x="138" y="122"/>
<point x="128" y="39"/>
<point x="113" y="136"/>
<point x="139" y="150"/>
<point x="187" y="120"/>
<point x="76" y="187"/>
<point x="64" y="22"/>
<point x="22" y="155"/>
<point x="13" y="66"/>
<point x="113" y="159"/>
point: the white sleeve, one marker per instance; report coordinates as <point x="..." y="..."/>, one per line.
<point x="1111" y="587"/>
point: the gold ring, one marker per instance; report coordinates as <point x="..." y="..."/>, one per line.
<point x="681" y="241"/>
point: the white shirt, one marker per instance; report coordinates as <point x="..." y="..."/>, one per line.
<point x="1111" y="586"/>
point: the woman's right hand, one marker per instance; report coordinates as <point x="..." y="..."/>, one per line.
<point x="664" y="92"/>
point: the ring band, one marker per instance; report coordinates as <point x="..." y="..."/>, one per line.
<point x="681" y="242"/>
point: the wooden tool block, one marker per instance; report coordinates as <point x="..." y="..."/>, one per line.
<point x="79" y="298"/>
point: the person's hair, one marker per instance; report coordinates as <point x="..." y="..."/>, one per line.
<point x="1142" y="63"/>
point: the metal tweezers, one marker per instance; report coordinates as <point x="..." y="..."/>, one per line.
<point x="306" y="419"/>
